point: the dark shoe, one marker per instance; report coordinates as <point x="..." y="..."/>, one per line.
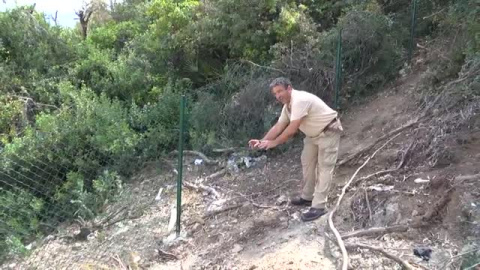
<point x="299" y="201"/>
<point x="313" y="213"/>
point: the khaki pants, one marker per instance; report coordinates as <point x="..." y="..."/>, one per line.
<point x="319" y="156"/>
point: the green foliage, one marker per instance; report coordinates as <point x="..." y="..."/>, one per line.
<point x="114" y="35"/>
<point x="371" y="56"/>
<point x="19" y="215"/>
<point x="157" y="123"/>
<point x="78" y="200"/>
<point x="31" y="48"/>
<point x="10" y="118"/>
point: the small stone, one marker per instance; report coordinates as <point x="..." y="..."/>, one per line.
<point x="237" y="248"/>
<point x="252" y="267"/>
<point x="281" y="200"/>
<point x="196" y="227"/>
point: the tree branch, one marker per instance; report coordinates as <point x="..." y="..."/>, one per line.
<point x="403" y="263"/>
<point x="330" y="216"/>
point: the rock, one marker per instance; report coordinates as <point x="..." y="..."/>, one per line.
<point x="196" y="227"/>
<point x="282" y="200"/>
<point x="237" y="248"/>
<point x="173" y="239"/>
<point x="252" y="267"/>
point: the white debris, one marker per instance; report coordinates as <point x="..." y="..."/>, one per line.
<point x="380" y="187"/>
<point x="159" y="195"/>
<point x="173" y="218"/>
<point x="421" y="181"/>
<point x="198" y="162"/>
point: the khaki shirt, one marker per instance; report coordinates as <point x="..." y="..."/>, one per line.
<point x="316" y="114"/>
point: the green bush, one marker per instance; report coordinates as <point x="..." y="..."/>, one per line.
<point x="370" y="54"/>
<point x="20" y="219"/>
<point x="157" y="123"/>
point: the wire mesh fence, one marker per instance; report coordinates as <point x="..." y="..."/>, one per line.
<point x="51" y="203"/>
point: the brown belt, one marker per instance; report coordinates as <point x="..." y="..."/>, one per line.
<point x="330" y="124"/>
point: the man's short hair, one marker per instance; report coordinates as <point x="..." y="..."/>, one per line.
<point x="280" y="81"/>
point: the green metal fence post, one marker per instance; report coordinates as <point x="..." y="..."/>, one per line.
<point x="180" y="162"/>
<point x="338" y="70"/>
<point x="412" y="30"/>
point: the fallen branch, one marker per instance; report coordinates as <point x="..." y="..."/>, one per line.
<point x="217" y="174"/>
<point x="207" y="160"/>
<point x="216" y="212"/>
<point x="467" y="177"/>
<point x="368" y="205"/>
<point x="419" y="222"/>
<point x="330" y="216"/>
<point x="400" y="261"/>
<point x="258" y="205"/>
<point x="201" y="187"/>
<point x="399" y="166"/>
<point x="371" y="145"/>
<point x="376" y="230"/>
<point x="453" y="258"/>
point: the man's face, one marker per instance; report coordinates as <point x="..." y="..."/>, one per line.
<point x="282" y="93"/>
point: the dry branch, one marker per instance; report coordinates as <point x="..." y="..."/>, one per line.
<point x="217" y="174"/>
<point x="201" y="187"/>
<point x="371" y="145"/>
<point x="330" y="216"/>
<point x="467" y="177"/>
<point x="400" y="261"/>
<point x="417" y="223"/>
<point x="368" y="205"/>
<point x="228" y="208"/>
<point x="399" y="166"/>
<point x="376" y="230"/>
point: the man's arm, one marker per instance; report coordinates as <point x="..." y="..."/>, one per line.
<point x="291" y="129"/>
<point x="273" y="133"/>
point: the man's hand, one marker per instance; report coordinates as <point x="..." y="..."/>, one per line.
<point x="267" y="144"/>
<point x="254" y="143"/>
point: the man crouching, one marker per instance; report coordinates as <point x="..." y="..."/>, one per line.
<point x="322" y="128"/>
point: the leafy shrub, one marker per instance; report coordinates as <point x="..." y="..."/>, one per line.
<point x="157" y="123"/>
<point x="20" y="220"/>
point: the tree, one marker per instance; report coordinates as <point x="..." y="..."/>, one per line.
<point x="84" y="16"/>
